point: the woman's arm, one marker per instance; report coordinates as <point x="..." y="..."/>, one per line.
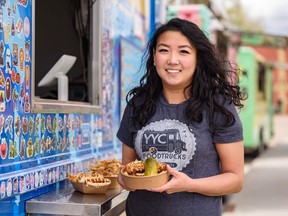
<point x="128" y="154"/>
<point x="232" y="172"/>
<point x="229" y="181"/>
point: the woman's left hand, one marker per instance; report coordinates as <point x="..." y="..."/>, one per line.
<point x="179" y="182"/>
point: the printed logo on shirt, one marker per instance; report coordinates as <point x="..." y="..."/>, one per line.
<point x="168" y="141"/>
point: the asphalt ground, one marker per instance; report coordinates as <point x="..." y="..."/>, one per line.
<point x="265" y="191"/>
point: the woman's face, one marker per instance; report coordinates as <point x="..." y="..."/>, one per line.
<point x="175" y="60"/>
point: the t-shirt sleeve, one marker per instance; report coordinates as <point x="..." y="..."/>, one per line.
<point x="125" y="134"/>
<point x="233" y="133"/>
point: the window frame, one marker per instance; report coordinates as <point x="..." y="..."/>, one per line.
<point x="40" y="105"/>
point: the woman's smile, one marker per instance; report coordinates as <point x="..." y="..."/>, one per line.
<point x="173" y="71"/>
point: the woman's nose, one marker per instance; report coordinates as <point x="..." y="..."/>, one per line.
<point x="173" y="59"/>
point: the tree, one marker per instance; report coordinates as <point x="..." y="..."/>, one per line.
<point x="238" y="18"/>
<point x="206" y="2"/>
<point x="241" y="19"/>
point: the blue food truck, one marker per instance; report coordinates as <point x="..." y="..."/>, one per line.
<point x="65" y="69"/>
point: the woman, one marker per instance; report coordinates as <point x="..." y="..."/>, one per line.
<point x="186" y="104"/>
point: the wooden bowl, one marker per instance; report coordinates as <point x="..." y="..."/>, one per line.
<point x="114" y="183"/>
<point x="144" y="182"/>
<point x="101" y="188"/>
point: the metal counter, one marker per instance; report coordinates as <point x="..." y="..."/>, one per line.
<point x="67" y="201"/>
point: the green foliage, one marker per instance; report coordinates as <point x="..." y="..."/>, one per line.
<point x="206" y="2"/>
<point x="240" y="18"/>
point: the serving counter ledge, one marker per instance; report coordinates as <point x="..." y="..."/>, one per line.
<point x="67" y="201"/>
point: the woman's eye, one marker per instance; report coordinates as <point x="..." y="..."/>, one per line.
<point x="163" y="50"/>
<point x="184" y="51"/>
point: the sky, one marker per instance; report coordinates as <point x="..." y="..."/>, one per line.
<point x="272" y="13"/>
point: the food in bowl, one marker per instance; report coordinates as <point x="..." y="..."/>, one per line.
<point x="90" y="183"/>
<point x="145" y="168"/>
<point x="145" y="174"/>
<point x="106" y="167"/>
<point x="109" y="169"/>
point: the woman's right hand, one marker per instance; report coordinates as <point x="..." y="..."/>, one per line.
<point x="121" y="182"/>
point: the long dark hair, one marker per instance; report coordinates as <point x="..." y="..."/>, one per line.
<point x="212" y="78"/>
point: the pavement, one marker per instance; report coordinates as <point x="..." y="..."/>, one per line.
<point x="265" y="191"/>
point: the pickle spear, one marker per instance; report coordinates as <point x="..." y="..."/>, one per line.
<point x="150" y="166"/>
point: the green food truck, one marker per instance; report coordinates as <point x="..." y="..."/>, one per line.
<point x="257" y="114"/>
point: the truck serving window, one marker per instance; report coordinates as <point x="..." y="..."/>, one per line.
<point x="66" y="32"/>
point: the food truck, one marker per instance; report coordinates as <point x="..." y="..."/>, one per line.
<point x="257" y="114"/>
<point x="65" y="69"/>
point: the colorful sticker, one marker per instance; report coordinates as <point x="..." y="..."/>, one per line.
<point x="9" y="188"/>
<point x="8" y="89"/>
<point x="2" y="79"/>
<point x="48" y="144"/>
<point x="25" y="125"/>
<point x="27" y="76"/>
<point x="22" y="184"/>
<point x="2" y="49"/>
<point x="43" y="146"/>
<point x="19" y="26"/>
<point x="37" y="124"/>
<point x="22" y="148"/>
<point x="32" y="181"/>
<point x="8" y="125"/>
<point x="1" y="123"/>
<point x="24" y="3"/>
<point x="43" y="124"/>
<point x="49" y="173"/>
<point x="27" y="181"/>
<point x="6" y="33"/>
<point x="49" y="124"/>
<point x="21" y="58"/>
<point x="8" y="61"/>
<point x="36" y="146"/>
<point x="12" y="26"/>
<point x="15" y="185"/>
<point x="17" y="126"/>
<point x="36" y="179"/>
<point x="2" y="101"/>
<point x="31" y="125"/>
<point x="15" y="97"/>
<point x="2" y="189"/>
<point x="41" y="178"/>
<point x="27" y="104"/>
<point x="15" y="56"/>
<point x="1" y="20"/>
<point x="13" y="149"/>
<point x="3" y="148"/>
<point x="30" y="148"/>
<point x="26" y="27"/>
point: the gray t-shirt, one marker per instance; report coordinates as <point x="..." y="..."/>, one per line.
<point x="186" y="148"/>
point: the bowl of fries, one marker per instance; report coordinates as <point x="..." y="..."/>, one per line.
<point x="109" y="169"/>
<point x="89" y="183"/>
